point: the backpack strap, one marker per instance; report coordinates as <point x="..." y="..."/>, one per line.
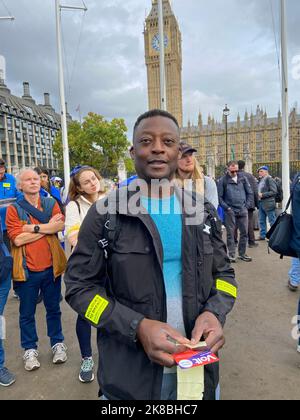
<point x="25" y="210"/>
<point x="78" y="206"/>
<point x="296" y="180"/>
<point x="111" y="227"/>
<point x="225" y="186"/>
<point x="215" y="230"/>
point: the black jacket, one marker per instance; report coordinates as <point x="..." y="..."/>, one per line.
<point x="269" y="192"/>
<point x="295" y="190"/>
<point x="254" y="186"/>
<point x="131" y="280"/>
<point x="237" y="196"/>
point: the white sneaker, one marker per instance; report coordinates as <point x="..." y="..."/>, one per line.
<point x="59" y="353"/>
<point x="30" y="359"/>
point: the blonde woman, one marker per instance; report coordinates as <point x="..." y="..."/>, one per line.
<point x="86" y="187"/>
<point x="189" y="169"/>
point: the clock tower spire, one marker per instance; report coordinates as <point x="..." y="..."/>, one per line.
<point x="173" y="59"/>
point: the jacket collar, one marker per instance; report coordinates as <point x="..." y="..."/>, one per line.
<point x="127" y="201"/>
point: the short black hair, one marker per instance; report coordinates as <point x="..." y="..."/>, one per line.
<point x="154" y="113"/>
<point x="241" y="164"/>
<point x="2" y="162"/>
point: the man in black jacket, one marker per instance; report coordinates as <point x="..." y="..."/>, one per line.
<point x="156" y="279"/>
<point x="236" y="197"/>
<point x="267" y="190"/>
<point x="254" y="203"/>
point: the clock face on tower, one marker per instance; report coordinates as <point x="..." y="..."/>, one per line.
<point x="155" y="42"/>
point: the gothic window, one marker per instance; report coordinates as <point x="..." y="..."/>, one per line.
<point x="259" y="157"/>
<point x="259" y="136"/>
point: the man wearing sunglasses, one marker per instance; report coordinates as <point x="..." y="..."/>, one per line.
<point x="235" y="196"/>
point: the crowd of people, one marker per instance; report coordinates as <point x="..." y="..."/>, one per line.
<point x="187" y="286"/>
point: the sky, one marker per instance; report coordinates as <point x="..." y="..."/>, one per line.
<point x="230" y="55"/>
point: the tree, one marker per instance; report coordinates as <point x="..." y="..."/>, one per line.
<point x="130" y="168"/>
<point x="97" y="142"/>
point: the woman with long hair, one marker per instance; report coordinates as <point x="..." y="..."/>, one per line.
<point x="190" y="174"/>
<point x="86" y="188"/>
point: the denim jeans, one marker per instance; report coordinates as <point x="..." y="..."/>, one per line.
<point x="4" y="291"/>
<point x="28" y="292"/>
<point x="294" y="273"/>
<point x="84" y="332"/>
<point x="271" y="215"/>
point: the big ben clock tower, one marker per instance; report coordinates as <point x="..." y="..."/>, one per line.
<point x="173" y="59"/>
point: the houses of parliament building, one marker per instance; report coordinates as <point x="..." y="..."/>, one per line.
<point x="254" y="137"/>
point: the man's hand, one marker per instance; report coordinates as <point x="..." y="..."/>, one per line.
<point x="209" y="327"/>
<point x="260" y="195"/>
<point x="154" y="335"/>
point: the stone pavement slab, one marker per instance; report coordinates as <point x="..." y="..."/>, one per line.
<point x="259" y="360"/>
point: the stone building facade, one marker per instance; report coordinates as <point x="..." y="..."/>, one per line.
<point x="27" y="130"/>
<point x="256" y="139"/>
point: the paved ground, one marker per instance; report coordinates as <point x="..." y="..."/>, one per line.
<point x="259" y="361"/>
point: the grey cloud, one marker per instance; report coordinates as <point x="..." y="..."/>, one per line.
<point x="229" y="55"/>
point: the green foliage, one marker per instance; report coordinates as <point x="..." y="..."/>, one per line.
<point x="130" y="168"/>
<point x="97" y="142"/>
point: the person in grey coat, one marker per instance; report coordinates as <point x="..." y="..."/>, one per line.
<point x="236" y="197"/>
<point x="267" y="190"/>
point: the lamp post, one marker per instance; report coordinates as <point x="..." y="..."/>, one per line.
<point x="64" y="127"/>
<point x="226" y="113"/>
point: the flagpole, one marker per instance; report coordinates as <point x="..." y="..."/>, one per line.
<point x="64" y="127"/>
<point x="285" y="109"/>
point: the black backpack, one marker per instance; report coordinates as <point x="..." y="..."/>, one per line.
<point x="281" y="233"/>
<point x="279" y="195"/>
